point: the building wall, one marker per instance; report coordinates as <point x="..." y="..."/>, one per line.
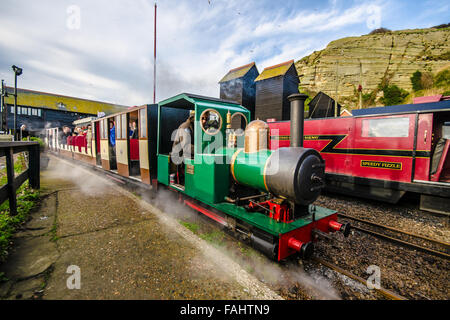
<point x="37" y="119"/>
<point x="269" y="99"/>
<point x="232" y="90"/>
<point x="290" y="86"/>
<point x="249" y="96"/>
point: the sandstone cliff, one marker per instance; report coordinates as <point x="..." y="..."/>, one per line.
<point x="371" y="60"/>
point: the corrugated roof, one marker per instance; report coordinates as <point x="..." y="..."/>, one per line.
<point x="237" y="72"/>
<point x="53" y="101"/>
<point x="403" y="108"/>
<point x="275" y="71"/>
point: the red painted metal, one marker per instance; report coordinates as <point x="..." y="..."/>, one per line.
<point x="303" y="235"/>
<point x="295" y="244"/>
<point x="340" y="141"/>
<point x="206" y="212"/>
<point x="424" y="141"/>
<point x="278" y="211"/>
<point x="427" y="99"/>
<point x="335" y="225"/>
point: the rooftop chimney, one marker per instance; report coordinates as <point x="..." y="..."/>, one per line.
<point x="297" y="101"/>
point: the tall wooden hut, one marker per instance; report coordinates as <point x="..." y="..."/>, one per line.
<point x="322" y="106"/>
<point x="273" y="86"/>
<point x="238" y="85"/>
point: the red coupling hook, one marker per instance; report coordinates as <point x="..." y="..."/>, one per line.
<point x="342" y="227"/>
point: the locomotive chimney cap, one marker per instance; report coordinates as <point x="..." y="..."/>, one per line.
<point x="297" y="96"/>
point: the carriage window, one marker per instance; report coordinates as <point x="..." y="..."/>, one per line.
<point x="388" y="127"/>
<point x="143" y="122"/>
<point x="211" y="121"/>
<point x="118" y="127"/>
<point x="124" y="126"/>
<point x="238" y="123"/>
<point x="102" y="133"/>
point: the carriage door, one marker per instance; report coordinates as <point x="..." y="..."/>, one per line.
<point x="122" y="144"/>
<point x="424" y="130"/>
<point x="143" y="146"/>
<point x="104" y="144"/>
<point x="384" y="147"/>
<point x="133" y="164"/>
<point x="96" y="143"/>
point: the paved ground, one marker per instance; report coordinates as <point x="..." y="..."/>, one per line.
<point x="124" y="247"/>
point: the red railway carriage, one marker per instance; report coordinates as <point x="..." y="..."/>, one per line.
<point x="382" y="153"/>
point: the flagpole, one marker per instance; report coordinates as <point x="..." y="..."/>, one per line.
<point x="154" y="62"/>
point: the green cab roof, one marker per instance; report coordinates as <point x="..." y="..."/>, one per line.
<point x="179" y="101"/>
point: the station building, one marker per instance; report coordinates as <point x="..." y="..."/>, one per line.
<point x="38" y="110"/>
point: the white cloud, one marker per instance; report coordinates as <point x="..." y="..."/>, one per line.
<point x="110" y="57"/>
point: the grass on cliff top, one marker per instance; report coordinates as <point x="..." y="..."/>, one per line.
<point x="26" y="200"/>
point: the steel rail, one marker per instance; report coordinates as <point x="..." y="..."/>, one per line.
<point x="402" y="242"/>
<point x="385" y="292"/>
<point x="441" y="243"/>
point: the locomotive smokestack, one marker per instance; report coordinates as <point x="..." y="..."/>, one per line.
<point x="297" y="101"/>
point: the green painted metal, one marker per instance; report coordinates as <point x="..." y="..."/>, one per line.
<point x="212" y="144"/>
<point x="248" y="168"/>
<point x="210" y="181"/>
<point x="163" y="169"/>
<point x="268" y="224"/>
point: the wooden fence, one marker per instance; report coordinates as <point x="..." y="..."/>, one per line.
<point x="8" y="191"/>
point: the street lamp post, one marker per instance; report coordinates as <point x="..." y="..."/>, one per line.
<point x="3" y="114"/>
<point x="17" y="72"/>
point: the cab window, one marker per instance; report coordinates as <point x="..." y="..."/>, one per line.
<point x="387" y="127"/>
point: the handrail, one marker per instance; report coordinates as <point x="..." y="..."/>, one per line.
<point x="8" y="191"/>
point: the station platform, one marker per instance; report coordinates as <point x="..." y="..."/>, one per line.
<point x="122" y="246"/>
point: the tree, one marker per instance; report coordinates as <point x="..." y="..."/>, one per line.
<point x="393" y="95"/>
<point x="415" y="81"/>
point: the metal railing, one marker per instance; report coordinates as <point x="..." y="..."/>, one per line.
<point x="8" y="191"/>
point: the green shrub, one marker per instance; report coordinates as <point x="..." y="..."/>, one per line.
<point x="415" y="81"/>
<point x="26" y="199"/>
<point x="393" y="95"/>
<point x="442" y="78"/>
<point x="41" y="142"/>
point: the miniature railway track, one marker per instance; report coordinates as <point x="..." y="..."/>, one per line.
<point x="385" y="292"/>
<point x="399" y="234"/>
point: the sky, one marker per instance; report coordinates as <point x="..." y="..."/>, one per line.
<point x="103" y="49"/>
